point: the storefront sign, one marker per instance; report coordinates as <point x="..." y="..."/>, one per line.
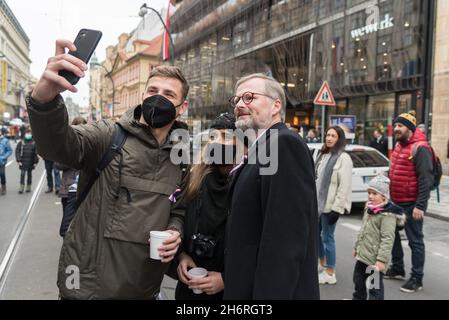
<point x="347" y="123"/>
<point x="373" y="23"/>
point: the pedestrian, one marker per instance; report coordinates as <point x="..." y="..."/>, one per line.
<point x="23" y="129"/>
<point x="312" y="136"/>
<point x="69" y="178"/>
<point x="27" y="159"/>
<point x="51" y="171"/>
<point x="411" y="181"/>
<point x="334" y="188"/>
<point x="271" y="232"/>
<point x="422" y="128"/>
<point x="372" y="249"/>
<point x="380" y="142"/>
<point x="108" y="239"/>
<point x="207" y="209"/>
<point x="5" y="153"/>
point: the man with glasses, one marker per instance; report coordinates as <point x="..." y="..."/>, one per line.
<point x="271" y="250"/>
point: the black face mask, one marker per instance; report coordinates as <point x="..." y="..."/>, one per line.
<point x="226" y="149"/>
<point x="158" y="111"/>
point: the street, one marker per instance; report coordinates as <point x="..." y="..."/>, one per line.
<point x="31" y="271"/>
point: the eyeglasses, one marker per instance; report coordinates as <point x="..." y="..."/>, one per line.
<point x="247" y="98"/>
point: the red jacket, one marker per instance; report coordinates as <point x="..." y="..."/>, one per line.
<point x="403" y="177"/>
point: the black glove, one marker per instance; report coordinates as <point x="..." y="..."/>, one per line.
<point x="332" y="217"/>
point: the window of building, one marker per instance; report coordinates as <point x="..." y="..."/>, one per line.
<point x="379" y="110"/>
<point x="357" y="107"/>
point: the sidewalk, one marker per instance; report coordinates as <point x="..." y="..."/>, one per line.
<point x="440" y="210"/>
<point x="32" y="275"/>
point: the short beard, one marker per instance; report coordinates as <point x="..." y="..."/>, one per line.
<point x="244" y="125"/>
<point x="403" y="138"/>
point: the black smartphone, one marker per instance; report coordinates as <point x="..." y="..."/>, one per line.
<point x="86" y="41"/>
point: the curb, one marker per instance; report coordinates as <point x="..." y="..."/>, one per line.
<point x="437" y="216"/>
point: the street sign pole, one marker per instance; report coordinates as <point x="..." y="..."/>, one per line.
<point x="323" y="122"/>
<point x="324" y="98"/>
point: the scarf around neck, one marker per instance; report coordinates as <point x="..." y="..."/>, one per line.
<point x="326" y="178"/>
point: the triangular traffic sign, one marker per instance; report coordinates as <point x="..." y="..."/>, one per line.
<point x="324" y="96"/>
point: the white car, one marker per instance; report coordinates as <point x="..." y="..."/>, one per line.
<point x="368" y="162"/>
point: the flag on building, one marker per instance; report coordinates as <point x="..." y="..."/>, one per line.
<point x="166" y="42"/>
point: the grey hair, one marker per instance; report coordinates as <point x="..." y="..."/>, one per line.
<point x="272" y="87"/>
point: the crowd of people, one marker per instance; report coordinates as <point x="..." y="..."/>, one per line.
<point x="260" y="234"/>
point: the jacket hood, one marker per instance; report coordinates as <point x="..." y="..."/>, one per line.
<point x="391" y="207"/>
<point x="417" y="136"/>
<point x="398" y="211"/>
<point x="130" y="122"/>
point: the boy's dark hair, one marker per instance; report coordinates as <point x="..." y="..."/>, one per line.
<point x="173" y="73"/>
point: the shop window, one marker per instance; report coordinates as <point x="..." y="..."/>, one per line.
<point x="357" y="107"/>
<point x="380" y="109"/>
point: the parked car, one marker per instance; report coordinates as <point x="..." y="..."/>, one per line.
<point x="367" y="161"/>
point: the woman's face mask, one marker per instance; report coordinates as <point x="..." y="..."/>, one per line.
<point x="28" y="136"/>
<point x="158" y="111"/>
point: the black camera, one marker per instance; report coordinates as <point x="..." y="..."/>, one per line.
<point x="202" y="246"/>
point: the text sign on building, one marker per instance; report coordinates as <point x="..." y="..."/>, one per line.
<point x="325" y="96"/>
<point x="373" y="23"/>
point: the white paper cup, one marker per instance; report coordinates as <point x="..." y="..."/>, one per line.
<point x="198" y="273"/>
<point x="156" y="239"/>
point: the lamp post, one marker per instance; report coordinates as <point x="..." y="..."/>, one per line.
<point x="108" y="74"/>
<point x="143" y="11"/>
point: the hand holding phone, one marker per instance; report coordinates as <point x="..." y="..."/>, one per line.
<point x="64" y="69"/>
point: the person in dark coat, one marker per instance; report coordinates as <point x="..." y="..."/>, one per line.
<point x="379" y="142"/>
<point x="69" y="178"/>
<point x="272" y="229"/>
<point x="207" y="209"/>
<point x="26" y="157"/>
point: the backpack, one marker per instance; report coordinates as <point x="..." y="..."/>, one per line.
<point x="115" y="148"/>
<point x="437" y="167"/>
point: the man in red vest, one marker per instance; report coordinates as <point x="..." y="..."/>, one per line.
<point x="411" y="175"/>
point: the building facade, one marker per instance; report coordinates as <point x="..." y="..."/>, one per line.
<point x="73" y="109"/>
<point x="440" y="114"/>
<point x="123" y="75"/>
<point x="15" y="77"/>
<point x="374" y="54"/>
<point x="97" y="94"/>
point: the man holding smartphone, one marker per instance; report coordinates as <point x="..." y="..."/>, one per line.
<point x="107" y="242"/>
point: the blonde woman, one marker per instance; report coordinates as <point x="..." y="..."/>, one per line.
<point x="207" y="208"/>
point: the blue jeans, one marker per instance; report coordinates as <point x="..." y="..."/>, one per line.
<point x="415" y="236"/>
<point x="327" y="242"/>
<point x="51" y="170"/>
<point x="68" y="212"/>
<point x="2" y="175"/>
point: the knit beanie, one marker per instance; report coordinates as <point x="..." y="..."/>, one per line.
<point x="380" y="184"/>
<point x="408" y="120"/>
<point x="224" y="121"/>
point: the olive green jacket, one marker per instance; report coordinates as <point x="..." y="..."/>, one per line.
<point x="108" y="239"/>
<point x="376" y="237"/>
